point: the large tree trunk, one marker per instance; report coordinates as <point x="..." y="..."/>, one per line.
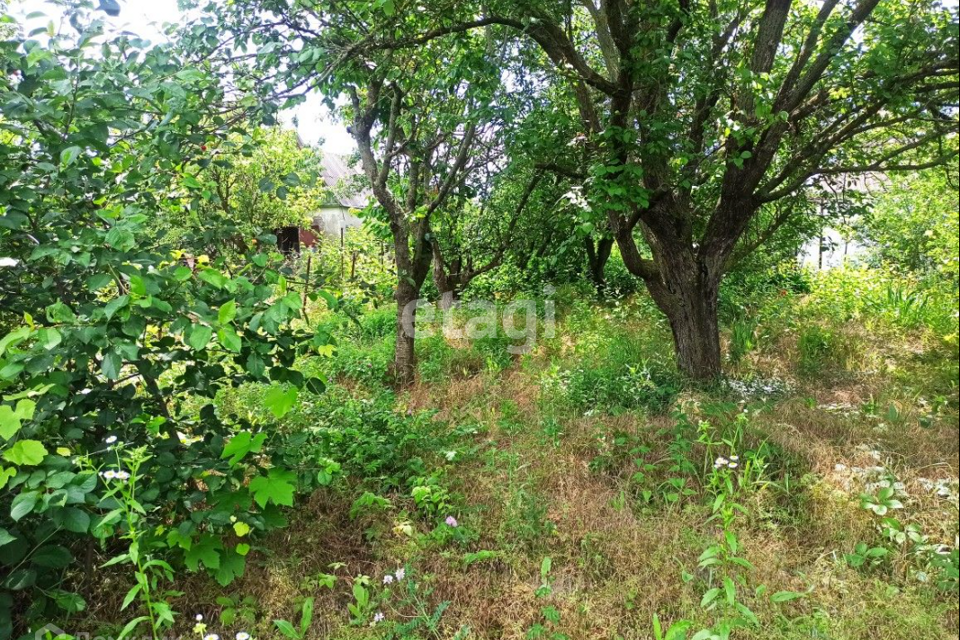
<point x="686" y="289"/>
<point x="696" y="334"/>
<point x="403" y="369"/>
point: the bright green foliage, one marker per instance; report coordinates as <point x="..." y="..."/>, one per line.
<point x="110" y="338"/>
<point x="248" y="183"/>
<point x="913" y="224"/>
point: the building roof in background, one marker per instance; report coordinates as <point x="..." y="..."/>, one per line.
<point x="342" y="178"/>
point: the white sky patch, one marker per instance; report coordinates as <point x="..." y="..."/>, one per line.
<point x="314" y="122"/>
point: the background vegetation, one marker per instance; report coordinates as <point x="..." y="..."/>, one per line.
<point x="200" y="435"/>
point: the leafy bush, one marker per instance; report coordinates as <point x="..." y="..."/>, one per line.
<point x="115" y="343"/>
<point x="618" y="362"/>
<point x="819" y="350"/>
<point x="370" y="440"/>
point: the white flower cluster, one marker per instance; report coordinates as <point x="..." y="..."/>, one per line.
<point x="397" y="576"/>
<point x="843" y="408"/>
<point x="757" y="388"/>
<point x="726" y="463"/>
<point x="110" y="474"/>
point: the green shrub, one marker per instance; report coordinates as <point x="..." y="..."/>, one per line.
<point x="113" y="343"/>
<point x="372" y="443"/>
<point x="743" y="336"/>
<point x="363" y="362"/>
<point x="614" y="368"/>
<point x="819" y="350"/>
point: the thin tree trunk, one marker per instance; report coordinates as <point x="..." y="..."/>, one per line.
<point x="403" y="370"/>
<point x="597" y="256"/>
<point x="449" y="299"/>
<point x="451" y="278"/>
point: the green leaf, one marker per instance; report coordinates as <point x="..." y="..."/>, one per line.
<point x="72" y="519"/>
<point x="111" y="365"/>
<point x="242" y="444"/>
<point x="23" y="504"/>
<point x="20" y="579"/>
<point x="286" y="629"/>
<point x="115" y="305"/>
<point x="5" y="537"/>
<point x="131" y="595"/>
<point x="545" y="566"/>
<point x="230" y="339"/>
<point x="709" y="597"/>
<point x="9" y="422"/>
<point x="306" y="616"/>
<point x="206" y="550"/>
<point x="26" y="453"/>
<point x="5" y="475"/>
<point x="52" y="557"/>
<point x="255" y="365"/>
<point x="730" y="590"/>
<point x="231" y="568"/>
<point x="276" y="487"/>
<point x="213" y="277"/>
<point x="68" y="601"/>
<point x="69" y="155"/>
<point x="786" y="596"/>
<point x="280" y="399"/>
<point x="199" y="336"/>
<point x="228" y="311"/>
<point x="13" y="338"/>
<point x="130" y="626"/>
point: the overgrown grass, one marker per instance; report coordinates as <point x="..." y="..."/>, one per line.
<point x="589" y="451"/>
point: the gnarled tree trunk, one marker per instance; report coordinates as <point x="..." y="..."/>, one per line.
<point x="691" y="309"/>
<point x="686" y="287"/>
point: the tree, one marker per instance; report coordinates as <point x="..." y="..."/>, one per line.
<point x="433" y="158"/>
<point x="472" y="239"/>
<point x="706" y="113"/>
<point x="251" y="182"/>
<point x="417" y="115"/>
<point x="913" y="223"/>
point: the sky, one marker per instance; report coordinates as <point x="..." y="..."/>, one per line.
<point x="146" y="17"/>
